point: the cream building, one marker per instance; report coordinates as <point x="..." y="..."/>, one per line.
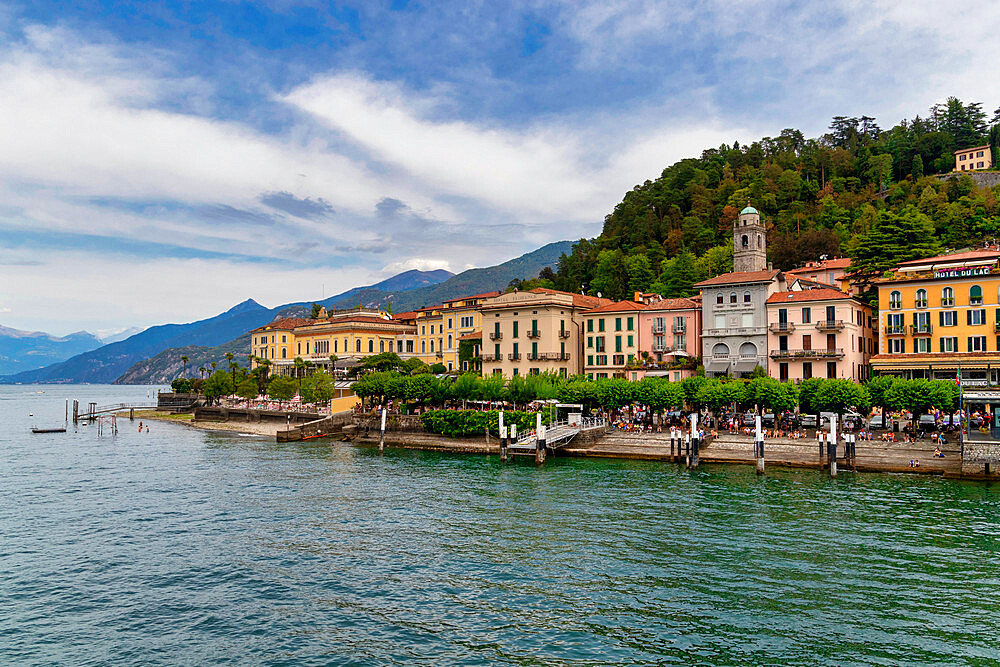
<point x="973" y="159"/>
<point x="612" y="339"/>
<point x="534" y="332"/>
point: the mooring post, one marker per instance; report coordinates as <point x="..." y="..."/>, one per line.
<point x="759" y="446"/>
<point x="503" y="443"/>
<point x="513" y="434"/>
<point x="695" y="440"/>
<point x="131" y="414"/>
<point x="381" y="438"/>
<point x="687" y="450"/>
<point x="540" y="446"/>
<point x="76" y="411"/>
<point x="833" y="445"/>
<point x="673" y="442"/>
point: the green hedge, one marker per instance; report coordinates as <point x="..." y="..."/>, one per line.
<point x="466" y="423"/>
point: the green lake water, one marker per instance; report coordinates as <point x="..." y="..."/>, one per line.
<point x="184" y="547"/>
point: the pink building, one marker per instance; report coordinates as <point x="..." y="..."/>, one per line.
<point x="670" y="333"/>
<point x="818" y="333"/>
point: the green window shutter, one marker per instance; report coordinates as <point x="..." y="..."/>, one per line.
<point x="941" y="340"/>
<point x="941" y="318"/>
<point x="914" y="320"/>
<point x="970" y="344"/>
<point x="630" y="324"/>
<point x="968" y="317"/>
<point x="496" y="350"/>
<point x="515" y="348"/>
<point x="515" y="329"/>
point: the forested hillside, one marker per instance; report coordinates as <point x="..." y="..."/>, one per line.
<point x="859" y="191"/>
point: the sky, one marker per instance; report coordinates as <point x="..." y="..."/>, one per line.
<point x="162" y="161"/>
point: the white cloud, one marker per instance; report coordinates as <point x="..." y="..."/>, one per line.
<point x="418" y="263"/>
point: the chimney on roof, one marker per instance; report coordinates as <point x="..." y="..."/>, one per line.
<point x="770" y="266"/>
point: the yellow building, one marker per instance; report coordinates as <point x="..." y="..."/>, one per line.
<point x="612" y="339"/>
<point x="940" y="314"/>
<point x="348" y="335"/>
<point x="428" y="332"/>
<point x="460" y="318"/>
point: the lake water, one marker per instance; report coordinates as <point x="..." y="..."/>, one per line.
<point x="180" y="546"/>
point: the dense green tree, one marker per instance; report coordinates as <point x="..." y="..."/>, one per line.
<point x="281" y="388"/>
<point x="247" y="389"/>
<point x="218" y="384"/>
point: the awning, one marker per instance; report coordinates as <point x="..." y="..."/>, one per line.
<point x="747" y="364"/>
<point x="717" y="365"/>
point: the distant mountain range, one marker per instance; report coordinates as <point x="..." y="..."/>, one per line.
<point x="25" y="350"/>
<point x="153" y="355"/>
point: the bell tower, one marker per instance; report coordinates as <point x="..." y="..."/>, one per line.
<point x="749" y="242"/>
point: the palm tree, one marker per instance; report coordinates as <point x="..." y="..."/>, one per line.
<point x="202" y="370"/>
<point x="213" y="365"/>
<point x="184" y="360"/>
<point x="299" y="365"/>
<point x="333" y="364"/>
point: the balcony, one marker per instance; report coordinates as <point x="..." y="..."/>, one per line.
<point x="492" y="358"/>
<point x="513" y="357"/>
<point x="564" y="333"/>
<point x="659" y="329"/>
<point x="891" y="330"/>
<point x="496" y="335"/>
<point x="679" y="328"/>
<point x="781" y="327"/>
<point x="439" y="354"/>
<point x="830" y="325"/>
<point x="533" y="333"/>
<point x="829" y="353"/>
<point x="920" y="329"/>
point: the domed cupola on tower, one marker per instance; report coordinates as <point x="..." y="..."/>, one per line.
<point x="749" y="241"/>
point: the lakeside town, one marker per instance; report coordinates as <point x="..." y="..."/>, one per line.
<point x="916" y="377"/>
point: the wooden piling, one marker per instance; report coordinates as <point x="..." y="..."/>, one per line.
<point x="759" y="446"/>
<point x="695" y="440"/>
<point x="540" y="446"/>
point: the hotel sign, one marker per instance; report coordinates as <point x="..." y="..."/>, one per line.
<point x="962" y="272"/>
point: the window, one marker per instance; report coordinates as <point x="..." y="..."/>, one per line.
<point x="807" y="342"/>
<point x="895" y="300"/>
<point x="284" y="353"/>
<point x="921" y="300"/>
<point x="449" y="341"/>
<point x="590" y="360"/>
<point x="590" y="341"/>
<point x="719" y="299"/>
<point x="746" y="296"/>
<point x="357" y="345"/>
<point x="618" y="359"/>
<point x="745" y="241"/>
<point x="977" y="343"/>
<point x="720" y="350"/>
<point x="748" y="350"/>
<point x="630" y="342"/>
<point x="746" y="320"/>
<point x="921" y="344"/>
<point x="947" y="297"/>
<point x="432" y="344"/>
<point x="949" y="344"/>
<point x="590" y="326"/>
<point x="600" y="343"/>
<point x="409" y="346"/>
<point x="602" y="360"/>
<point x="618" y="343"/>
<point x="806" y="315"/>
<point x="496" y="351"/>
<point x="783" y="372"/>
<point x="449" y="322"/>
<point x="371" y="345"/>
<point x="807" y="370"/>
<point x="948" y="318"/>
<point x="975" y="295"/>
<point x="680" y="324"/>
<point x="467" y="321"/>
<point x="897" y="345"/>
<point x="618" y="324"/>
<point x="831" y="369"/>
<point x="423" y="347"/>
<point x="432" y="329"/>
<point x="894" y="323"/>
<point x="423" y="330"/>
<point x="514" y="335"/>
<point x="975" y="317"/>
<point x="720" y="321"/>
<point x="921" y="322"/>
<point x="628" y="324"/>
<point x="600" y="324"/>
<point x="732" y="297"/>
<point x="534" y="350"/>
<point x="680" y="341"/>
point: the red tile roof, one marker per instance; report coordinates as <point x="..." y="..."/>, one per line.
<point x="739" y="277"/>
<point x="485" y="295"/>
<point x="673" y="304"/>
<point x="617" y="307"/>
<point x="823" y="265"/>
<point x="286" y="324"/>
<point x="408" y="315"/>
<point x="475" y="335"/>
<point x="820" y="294"/>
<point x="956" y="257"/>
<point x="579" y="300"/>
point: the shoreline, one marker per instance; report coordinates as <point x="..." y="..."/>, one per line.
<point x="727" y="451"/>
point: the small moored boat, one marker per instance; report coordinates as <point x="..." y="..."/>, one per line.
<point x="48" y="430"/>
